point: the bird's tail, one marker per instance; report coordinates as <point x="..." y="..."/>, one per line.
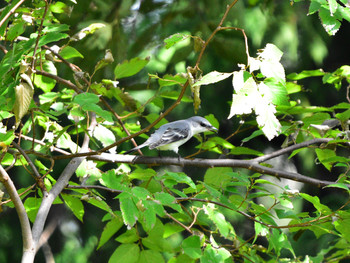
<point x="135" y="148"/>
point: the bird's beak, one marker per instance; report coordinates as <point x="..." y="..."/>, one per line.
<point x="213" y="129"/>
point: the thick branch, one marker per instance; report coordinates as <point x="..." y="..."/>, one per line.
<point x="247" y="164"/>
<point x="28" y="244"/>
<point x="48" y="200"/>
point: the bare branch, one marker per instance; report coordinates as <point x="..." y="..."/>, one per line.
<point x="291" y="148"/>
<point x="11" y="12"/>
<point x="28" y="243"/>
<point x="61" y="183"/>
<point x="246" y="164"/>
<point x="59" y="80"/>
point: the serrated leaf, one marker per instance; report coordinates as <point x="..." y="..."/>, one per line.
<point x="212" y="77"/>
<point x="129" y="210"/>
<point x="173" y="39"/>
<point x="329" y="22"/>
<point x="125" y="253"/>
<point x="212" y="176"/>
<point x="109" y="230"/>
<point x="75" y="205"/>
<point x="130" y="68"/>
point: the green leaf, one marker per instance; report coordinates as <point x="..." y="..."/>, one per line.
<point x="170" y="80"/>
<point x="173" y="39"/>
<point x="344" y="116"/>
<point x="128" y="208"/>
<point x="70" y="52"/>
<point x="218" y="177"/>
<point x="111" y="180"/>
<point x="108" y="59"/>
<point x="7" y="138"/>
<point x="148" y="214"/>
<point x="212" y="77"/>
<point x="306" y="74"/>
<point x="323" y="155"/>
<point x="278" y="91"/>
<point x="130" y="68"/>
<point x="130" y="236"/>
<point x="192" y="247"/>
<point x="50" y="37"/>
<point x="329" y="22"/>
<point x="105" y="136"/>
<point x="245" y="151"/>
<point x="109" y="230"/>
<point x="75" y="205"/>
<point x="168" y="200"/>
<point x="88" y="103"/>
<point x="125" y="253"/>
<point x="55" y="28"/>
<point x="278" y="241"/>
<point x="31" y="205"/>
<point x="219" y="220"/>
<point x="46" y="84"/>
<point x="150" y="256"/>
<point x="211" y="255"/>
<point x="59" y="7"/>
<point x="171" y="178"/>
<point x="338" y="185"/>
<point x="323" y="209"/>
<point x="142" y="174"/>
<point x="15" y="30"/>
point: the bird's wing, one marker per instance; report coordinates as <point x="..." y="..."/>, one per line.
<point x="171" y="135"/>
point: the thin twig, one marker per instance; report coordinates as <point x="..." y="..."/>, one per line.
<point x="39" y="34"/>
<point x="178" y="222"/>
<point x="228" y="8"/>
<point x="11" y="12"/>
<point x="89" y="187"/>
<point x="68" y="83"/>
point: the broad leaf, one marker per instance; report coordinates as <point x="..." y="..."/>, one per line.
<point x="130" y="68"/>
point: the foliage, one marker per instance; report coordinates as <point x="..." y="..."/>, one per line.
<point x="72" y="90"/>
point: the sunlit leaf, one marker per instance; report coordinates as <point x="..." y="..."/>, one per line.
<point x="130" y="68"/>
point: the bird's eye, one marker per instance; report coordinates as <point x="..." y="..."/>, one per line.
<point x="203" y="124"/>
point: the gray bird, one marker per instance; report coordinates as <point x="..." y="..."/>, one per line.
<point x="172" y="135"/>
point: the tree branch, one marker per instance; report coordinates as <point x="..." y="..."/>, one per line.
<point x="246" y="164"/>
<point x="27" y="238"/>
<point x="48" y="200"/>
<point x="11" y="12"/>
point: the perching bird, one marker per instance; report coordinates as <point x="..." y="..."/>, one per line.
<point x="172" y="135"/>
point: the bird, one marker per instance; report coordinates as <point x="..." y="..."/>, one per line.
<point x="172" y="135"/>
